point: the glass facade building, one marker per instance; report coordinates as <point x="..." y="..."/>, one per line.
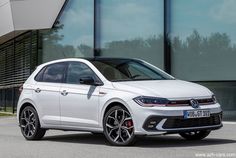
<point x="193" y="40"/>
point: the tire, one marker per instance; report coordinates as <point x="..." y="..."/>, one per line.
<point x="118" y="126"/>
<point x="195" y="135"/>
<point x="30" y="125"/>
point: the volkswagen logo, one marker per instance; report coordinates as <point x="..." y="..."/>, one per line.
<point x="194" y="103"/>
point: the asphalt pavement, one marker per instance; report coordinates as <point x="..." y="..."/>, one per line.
<point x="60" y="144"/>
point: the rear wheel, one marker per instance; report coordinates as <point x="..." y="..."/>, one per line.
<point x="30" y="125"/>
<point x="195" y="135"/>
<point x="118" y="126"/>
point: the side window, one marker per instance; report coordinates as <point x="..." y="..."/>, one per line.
<point x="54" y="73"/>
<point x="39" y="76"/>
<point x="78" y="70"/>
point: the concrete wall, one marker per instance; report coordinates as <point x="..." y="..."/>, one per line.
<point x="20" y="15"/>
<point x="6" y="22"/>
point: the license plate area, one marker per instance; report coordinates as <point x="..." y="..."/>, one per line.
<point x="196" y="113"/>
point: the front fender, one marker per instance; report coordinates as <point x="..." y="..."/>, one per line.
<point x="107" y="103"/>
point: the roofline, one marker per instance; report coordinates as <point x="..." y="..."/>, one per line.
<point x="86" y="59"/>
<point x="109" y="58"/>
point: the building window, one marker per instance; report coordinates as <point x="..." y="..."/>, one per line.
<point x="18" y="58"/>
<point x="131" y="28"/>
<point x="72" y="35"/>
<point x="203" y="39"/>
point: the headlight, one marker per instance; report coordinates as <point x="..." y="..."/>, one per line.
<point x="151" y="101"/>
<point x="214" y="99"/>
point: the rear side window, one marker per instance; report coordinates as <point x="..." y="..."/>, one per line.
<point x="52" y="73"/>
<point x="39" y="76"/>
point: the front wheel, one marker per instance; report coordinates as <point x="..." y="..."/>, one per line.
<point x="30" y="125"/>
<point x="194" y="135"/>
<point x="118" y="126"/>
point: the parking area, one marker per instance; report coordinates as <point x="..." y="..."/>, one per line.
<point x="60" y="144"/>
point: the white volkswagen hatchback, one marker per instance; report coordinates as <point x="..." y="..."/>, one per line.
<point x="121" y="98"/>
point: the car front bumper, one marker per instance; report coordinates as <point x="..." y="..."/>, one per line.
<point x="164" y="120"/>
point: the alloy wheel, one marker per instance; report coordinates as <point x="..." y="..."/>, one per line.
<point x="119" y="126"/>
<point x="28" y="123"/>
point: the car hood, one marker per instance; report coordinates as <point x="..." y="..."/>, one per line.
<point x="164" y="88"/>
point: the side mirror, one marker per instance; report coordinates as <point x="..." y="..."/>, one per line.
<point x="89" y="81"/>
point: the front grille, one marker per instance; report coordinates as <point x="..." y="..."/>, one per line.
<point x="193" y="122"/>
<point x="205" y="101"/>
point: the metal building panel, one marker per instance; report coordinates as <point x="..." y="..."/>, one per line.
<point x="35" y="14"/>
<point x="6" y="22"/>
<point x="17" y="16"/>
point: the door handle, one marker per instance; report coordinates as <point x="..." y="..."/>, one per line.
<point x="38" y="90"/>
<point x="64" y="93"/>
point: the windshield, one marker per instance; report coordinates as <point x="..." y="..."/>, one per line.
<point x="128" y="70"/>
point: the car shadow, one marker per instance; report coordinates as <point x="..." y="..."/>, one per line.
<point x="82" y="138"/>
<point x="177" y="141"/>
<point x="143" y="142"/>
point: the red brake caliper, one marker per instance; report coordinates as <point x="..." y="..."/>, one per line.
<point x="129" y="123"/>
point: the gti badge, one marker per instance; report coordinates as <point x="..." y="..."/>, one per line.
<point x="194" y="103"/>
